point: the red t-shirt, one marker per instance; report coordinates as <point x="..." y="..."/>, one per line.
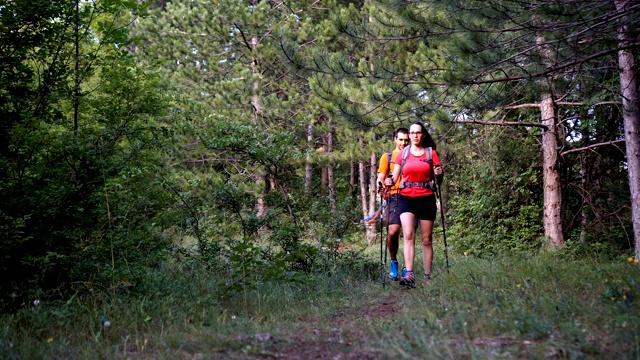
<point x="417" y="169"/>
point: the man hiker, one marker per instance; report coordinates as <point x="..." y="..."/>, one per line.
<point x="385" y="169"/>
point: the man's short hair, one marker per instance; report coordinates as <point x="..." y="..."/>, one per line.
<point x="400" y="131"/>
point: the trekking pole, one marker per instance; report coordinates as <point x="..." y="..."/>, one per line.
<point x="444" y="234"/>
<point x="386" y="235"/>
<point x="386" y="239"/>
<point x="382" y="264"/>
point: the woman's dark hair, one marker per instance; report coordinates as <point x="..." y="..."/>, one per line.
<point x="427" y="140"/>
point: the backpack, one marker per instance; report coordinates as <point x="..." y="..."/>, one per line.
<point x="428" y="184"/>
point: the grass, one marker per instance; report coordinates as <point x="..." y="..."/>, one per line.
<point x="520" y="307"/>
<point x="527" y="308"/>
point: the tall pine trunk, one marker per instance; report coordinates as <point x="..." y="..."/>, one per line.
<point x="331" y="178"/>
<point x="373" y="172"/>
<point x="76" y="73"/>
<point x="552" y="190"/>
<point x="308" y="167"/>
<point x="367" y="201"/>
<point x="353" y="183"/>
<point x="550" y="175"/>
<point x="260" y="174"/>
<point x="631" y="115"/>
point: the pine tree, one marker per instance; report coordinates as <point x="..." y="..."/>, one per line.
<point x="552" y="45"/>
<point x="251" y="115"/>
<point x="347" y="75"/>
<point x="483" y="62"/>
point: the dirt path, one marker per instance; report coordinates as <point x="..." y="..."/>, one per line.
<point x="345" y="339"/>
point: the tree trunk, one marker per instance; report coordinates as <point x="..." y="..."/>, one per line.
<point x="353" y="182"/>
<point x="76" y="73"/>
<point x="551" y="175"/>
<point x="261" y="205"/>
<point x="363" y="189"/>
<point x="552" y="190"/>
<point x="324" y="179"/>
<point x="308" y="167"/>
<point x="584" y="182"/>
<point x="330" y="173"/>
<point x="373" y="172"/>
<point x="631" y="115"/>
<point x="366" y="208"/>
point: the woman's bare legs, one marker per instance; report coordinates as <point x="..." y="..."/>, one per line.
<point x="426" y="235"/>
<point x="408" y="221"/>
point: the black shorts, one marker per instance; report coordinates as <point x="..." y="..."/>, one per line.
<point x="394" y="213"/>
<point x="423" y="207"/>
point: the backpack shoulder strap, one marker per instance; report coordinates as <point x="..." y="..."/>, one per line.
<point x="428" y="152"/>
<point x="389" y="154"/>
<point x="430" y="161"/>
<point x="405" y="154"/>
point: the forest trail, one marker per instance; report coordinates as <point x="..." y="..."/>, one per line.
<point x="341" y="336"/>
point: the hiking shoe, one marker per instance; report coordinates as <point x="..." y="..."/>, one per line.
<point x="427" y="280"/>
<point x="408" y="280"/>
<point x="393" y="270"/>
<point x="404" y="272"/>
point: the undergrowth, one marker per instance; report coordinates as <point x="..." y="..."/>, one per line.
<point x="508" y="307"/>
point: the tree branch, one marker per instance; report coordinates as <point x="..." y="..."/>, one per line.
<point x="561" y="103"/>
<point x="521" y="106"/>
<point x="550" y="70"/>
<point x="591" y="147"/>
<point x="501" y="123"/>
<point x="244" y="38"/>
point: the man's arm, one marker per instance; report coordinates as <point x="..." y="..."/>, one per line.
<point x="383" y="168"/>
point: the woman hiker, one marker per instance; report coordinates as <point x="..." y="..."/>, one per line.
<point x="417" y="167"/>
